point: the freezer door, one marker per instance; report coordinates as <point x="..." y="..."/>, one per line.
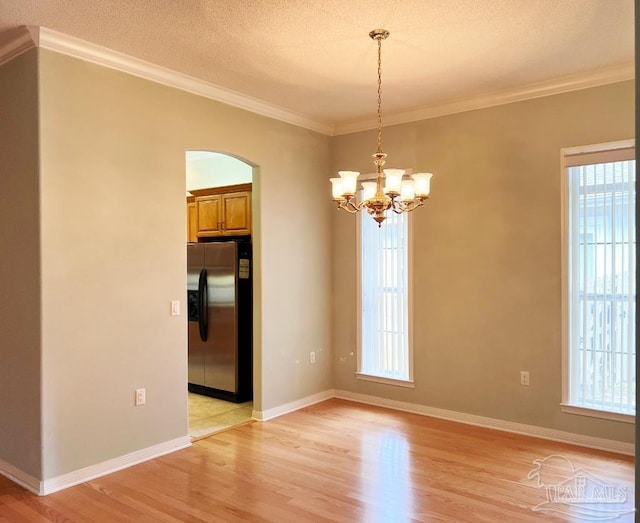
<point x="195" y="265"/>
<point x="221" y="357"/>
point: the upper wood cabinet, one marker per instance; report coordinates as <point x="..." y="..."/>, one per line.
<point x="192" y="220"/>
<point x="222" y="211"/>
<point x="208" y="210"/>
<point x="236" y="213"/>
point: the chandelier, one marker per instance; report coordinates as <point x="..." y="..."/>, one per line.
<point x="390" y="191"/>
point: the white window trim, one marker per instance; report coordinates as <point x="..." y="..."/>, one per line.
<point x="409" y="383"/>
<point x="571" y="156"/>
<point x="596" y="413"/>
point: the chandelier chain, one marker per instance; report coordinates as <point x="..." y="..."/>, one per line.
<point x="379" y="95"/>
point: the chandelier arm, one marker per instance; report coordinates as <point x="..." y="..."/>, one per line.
<point x="400" y="206"/>
<point x="350" y="206"/>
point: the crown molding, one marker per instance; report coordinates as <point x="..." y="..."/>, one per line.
<point x="83" y="50"/>
<point x="29" y="37"/>
<point x="19" y="43"/>
<point x="561" y="85"/>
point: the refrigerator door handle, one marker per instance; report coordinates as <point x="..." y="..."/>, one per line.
<point x="203" y="316"/>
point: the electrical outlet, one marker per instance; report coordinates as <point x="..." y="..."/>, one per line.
<point x="312" y="357"/>
<point x="524" y="378"/>
<point x="175" y="307"/>
<point x="140" y="397"/>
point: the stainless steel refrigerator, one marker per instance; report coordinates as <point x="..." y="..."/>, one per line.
<point x="220" y="319"/>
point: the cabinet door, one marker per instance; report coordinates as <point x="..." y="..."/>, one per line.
<point x="237" y="213"/>
<point x="192" y="222"/>
<point x="208" y="214"/>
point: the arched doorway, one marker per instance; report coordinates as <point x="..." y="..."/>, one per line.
<point x="206" y="169"/>
<point x="220" y="284"/>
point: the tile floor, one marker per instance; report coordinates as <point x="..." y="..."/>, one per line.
<point x="208" y="415"/>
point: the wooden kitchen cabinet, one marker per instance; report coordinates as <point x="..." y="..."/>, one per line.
<point x="236" y="213"/>
<point x="192" y="220"/>
<point x="223" y="211"/>
<point x="208" y="211"/>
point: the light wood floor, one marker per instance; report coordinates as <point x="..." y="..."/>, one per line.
<point x="335" y="461"/>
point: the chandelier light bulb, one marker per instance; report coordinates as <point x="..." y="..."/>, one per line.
<point x="422" y="184"/>
<point x="349" y="182"/>
<point x="336" y="188"/>
<point x="368" y="190"/>
<point x="407" y="191"/>
<point x="393" y="178"/>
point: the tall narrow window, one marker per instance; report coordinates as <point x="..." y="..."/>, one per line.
<point x="600" y="284"/>
<point x="384" y="352"/>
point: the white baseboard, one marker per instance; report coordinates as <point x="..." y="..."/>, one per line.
<point x="21" y="478"/>
<point x="76" y="477"/>
<point x="492" y="423"/>
<point x="460" y="417"/>
<point x="268" y="414"/>
<point x="107" y="467"/>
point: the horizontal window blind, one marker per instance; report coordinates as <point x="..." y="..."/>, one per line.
<point x="601" y="286"/>
<point x="384" y="297"/>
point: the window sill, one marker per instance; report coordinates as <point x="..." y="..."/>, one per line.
<point x="387" y="381"/>
<point x="595" y="413"/>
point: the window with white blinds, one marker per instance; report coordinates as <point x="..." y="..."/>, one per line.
<point x="600" y="267"/>
<point x="384" y="341"/>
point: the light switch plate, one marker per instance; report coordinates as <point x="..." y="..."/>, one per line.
<point x="141" y="397"/>
<point x="175" y="307"/>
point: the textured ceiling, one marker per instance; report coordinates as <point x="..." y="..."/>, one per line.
<point x="315" y="58"/>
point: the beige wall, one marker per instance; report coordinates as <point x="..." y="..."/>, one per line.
<point x="113" y="256"/>
<point x="486" y="255"/>
<point x="20" y="433"/>
<point x="109" y="209"/>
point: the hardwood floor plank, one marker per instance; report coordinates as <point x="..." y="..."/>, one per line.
<point x="336" y="461"/>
